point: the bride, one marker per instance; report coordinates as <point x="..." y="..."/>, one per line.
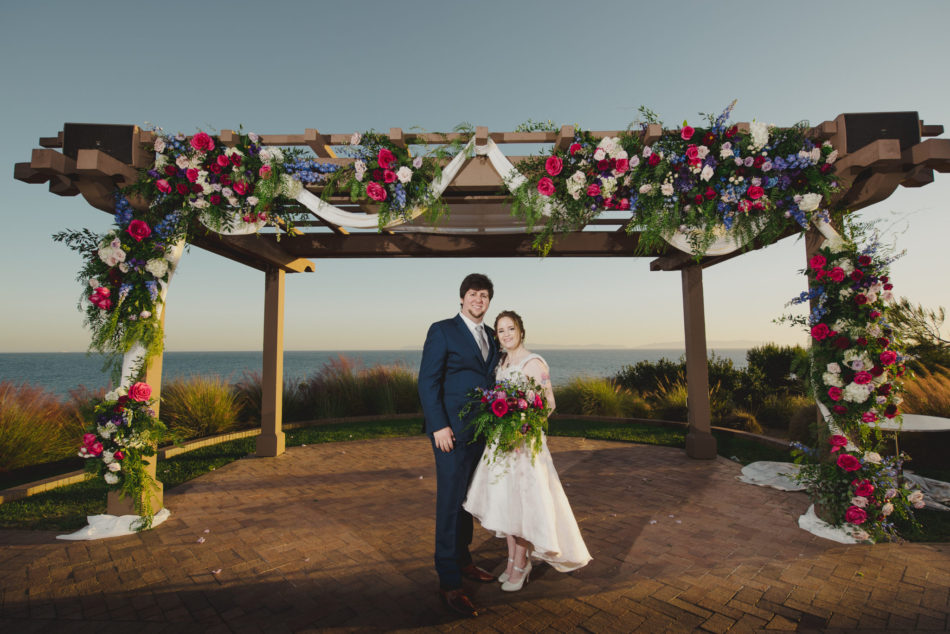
<point x="522" y="500"/>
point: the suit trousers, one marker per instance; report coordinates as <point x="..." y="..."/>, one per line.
<point x="453" y="524"/>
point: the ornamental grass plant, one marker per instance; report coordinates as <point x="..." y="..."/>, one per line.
<point x="342" y="387"/>
<point x="199" y="406"/>
<point x="600" y="397"/>
<point x="35" y="426"/>
<point x="929" y="395"/>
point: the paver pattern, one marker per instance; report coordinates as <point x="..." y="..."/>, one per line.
<point x="340" y="537"/>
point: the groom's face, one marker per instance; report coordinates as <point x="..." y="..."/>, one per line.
<point x="475" y="304"/>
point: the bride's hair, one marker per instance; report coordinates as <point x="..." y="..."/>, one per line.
<point x="515" y="317"/>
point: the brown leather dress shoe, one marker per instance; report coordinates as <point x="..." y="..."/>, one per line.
<point x="458" y="601"/>
<point x="475" y="573"/>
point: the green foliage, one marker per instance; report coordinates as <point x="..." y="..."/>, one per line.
<point x="200" y="406"/>
<point x="780" y="367"/>
<point x="599" y="397"/>
<point x="803" y="427"/>
<point x="537" y="126"/>
<point x="647" y="376"/>
<point x="509" y="416"/>
<point x="35" y="427"/>
<point x="776" y="410"/>
<point x="344" y="388"/>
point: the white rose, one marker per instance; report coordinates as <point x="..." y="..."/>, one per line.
<point x="856" y="393"/>
<point x="810" y="202"/>
<point x="667" y="189"/>
<point x="859" y="501"/>
<point x="182" y="162"/>
<point x="707" y="173"/>
<point x="622" y="154"/>
<point x="253" y="137"/>
<point x="159" y="144"/>
<point x="111" y="478"/>
<point x="157" y="267"/>
<point x="600" y="154"/>
<point x="253" y="200"/>
<point x="832" y="157"/>
<point x="200" y="203"/>
<point x="404" y="174"/>
<point x="93" y="282"/>
<point x="114" y="466"/>
<point x="873" y="457"/>
<point x="860" y="535"/>
<point x="266" y="155"/>
<point x="888" y="297"/>
<point x="815" y="155"/>
<point x="830" y="378"/>
<point x="834" y="367"/>
<point x="760" y="134"/>
<point x="226" y="192"/>
<point x="356" y="138"/>
<point x="887" y="509"/>
<point x="160" y="161"/>
<point x="915" y="496"/>
<point x="145" y="314"/>
<point x="647" y="151"/>
<point x="702" y="152"/>
<point x="646" y="188"/>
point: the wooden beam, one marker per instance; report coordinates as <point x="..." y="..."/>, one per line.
<point x="481" y="136"/>
<point x="265" y="249"/>
<point x="26" y="173"/>
<point x="396" y="136"/>
<point x="918" y="177"/>
<point x="565" y="137"/>
<point x="883" y="154"/>
<point x="229" y="138"/>
<point x="932" y="153"/>
<point x="652" y="134"/>
<point x="700" y="443"/>
<point x="63" y="186"/>
<point x="98" y="163"/>
<point x="52" y="162"/>
<point x="319" y="143"/>
<point x="930" y="130"/>
<point x="52" y="141"/>
<point x="823" y="131"/>
<point x="271" y="441"/>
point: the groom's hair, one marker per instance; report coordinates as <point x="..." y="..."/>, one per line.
<point x="478" y="282"/>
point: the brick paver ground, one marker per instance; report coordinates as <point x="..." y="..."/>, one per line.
<point x="339" y="536"/>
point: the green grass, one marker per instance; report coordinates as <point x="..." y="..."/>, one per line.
<point x="65" y="509"/>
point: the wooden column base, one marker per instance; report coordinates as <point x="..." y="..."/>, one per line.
<point x="701" y="445"/>
<point x="270" y="445"/>
<point x="126" y="506"/>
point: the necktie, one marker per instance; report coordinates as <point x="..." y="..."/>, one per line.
<point x="482" y="341"/>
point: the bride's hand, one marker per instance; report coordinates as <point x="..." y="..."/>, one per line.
<point x="444" y="439"/>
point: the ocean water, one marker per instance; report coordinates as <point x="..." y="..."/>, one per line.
<point x="60" y="372"/>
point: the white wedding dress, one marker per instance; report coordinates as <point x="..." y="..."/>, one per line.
<point x="512" y="496"/>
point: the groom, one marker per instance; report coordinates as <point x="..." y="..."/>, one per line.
<point x="459" y="355"/>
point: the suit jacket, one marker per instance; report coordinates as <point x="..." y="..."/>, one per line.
<point x="451" y="367"/>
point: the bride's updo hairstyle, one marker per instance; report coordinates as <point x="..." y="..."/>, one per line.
<point x="515" y="317"/>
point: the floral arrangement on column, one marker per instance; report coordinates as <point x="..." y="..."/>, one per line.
<point x="857" y="374"/>
<point x="705" y="180"/>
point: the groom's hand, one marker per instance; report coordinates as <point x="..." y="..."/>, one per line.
<point x="444" y="439"/>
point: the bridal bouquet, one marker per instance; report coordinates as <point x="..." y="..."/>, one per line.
<point x="512" y="414"/>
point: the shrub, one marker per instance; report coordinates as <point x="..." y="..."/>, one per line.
<point x="740" y="419"/>
<point x="344" y="388"/>
<point x="780" y="367"/>
<point x="776" y="410"/>
<point x="929" y="394"/>
<point x="35" y="427"/>
<point x="199" y="406"/>
<point x="599" y="397"/>
<point x="803" y="426"/>
<point x="648" y="376"/>
<point x="251" y="397"/>
<point x="669" y="401"/>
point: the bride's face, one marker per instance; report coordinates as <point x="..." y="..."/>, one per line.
<point x="508" y="333"/>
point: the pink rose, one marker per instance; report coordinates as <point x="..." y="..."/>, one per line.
<point x="687" y="133"/>
<point x="139" y="230"/>
<point x="869" y="417"/>
<point x="95" y="448"/>
<point x="385" y="158"/>
<point x="522" y="404"/>
<point x="593" y="190"/>
<point x="140" y="392"/>
<point x="222" y="160"/>
<point x="820" y="331"/>
<point x="88" y="439"/>
<point x="389" y="176"/>
<point x="553" y="165"/>
<point x="499" y="407"/>
<point x="375" y="191"/>
<point x="864" y="488"/>
<point x="817" y="262"/>
<point x="834" y="393"/>
<point x="191" y="174"/>
<point x="837" y="274"/>
<point x="692" y="153"/>
<point x="202" y="142"/>
<point x="622" y="166"/>
<point x="755" y="192"/>
<point x="837" y="441"/>
<point x="574" y="148"/>
<point x="546" y="186"/>
<point x="862" y="378"/>
<point x="119" y="455"/>
<point x="538" y="403"/>
<point x="240" y="188"/>
<point x="888" y="357"/>
<point x="654" y="160"/>
<point x="848" y="462"/>
<point x="163" y="186"/>
<point x="264" y="172"/>
<point x="855" y="515"/>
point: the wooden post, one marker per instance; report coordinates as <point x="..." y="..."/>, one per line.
<point x="126" y="506"/>
<point x="700" y="443"/>
<point x="271" y="441"/>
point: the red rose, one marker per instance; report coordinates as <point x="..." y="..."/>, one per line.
<point x="215" y="199"/>
<point x="860" y="299"/>
<point x="884" y="280"/>
<point x="864" y="260"/>
<point x="862" y="341"/>
<point x="191" y="174"/>
<point x="574" y="148"/>
<point x="710" y="193"/>
<point x="214" y="168"/>
<point x="119" y="455"/>
<point x="820" y="331"/>
<point x="834" y="393"/>
<point x="389" y="176"/>
<point x="874" y="314"/>
<point x="170" y="170"/>
<point x="817" y="262"/>
<point x="264" y="172"/>
<point x="376" y="191"/>
<point x="687" y="133"/>
<point x="890" y="411"/>
<point x="842" y="342"/>
<point x="755" y="192"/>
<point x="856" y="275"/>
<point x="553" y="165"/>
<point x="731" y="132"/>
<point x="603" y="165"/>
<point x="862" y="378"/>
<point x="499" y="407"/>
<point x="222" y="160"/>
<point x="546" y="186"/>
<point x="593" y="190"/>
<point x="139" y="230"/>
<point x="385" y="158"/>
<point x="182" y="188"/>
<point x="848" y="462"/>
<point x="840" y="409"/>
<point x="883" y="342"/>
<point x="887" y="287"/>
<point x="236" y="160"/>
<point x="877" y="371"/>
<point x="377" y="175"/>
<point x="837" y="441"/>
<point x="698" y="199"/>
<point x="837" y="274"/>
<point x="140" y="392"/>
<point x="758" y="161"/>
<point x="202" y="142"/>
<point x="163" y="186"/>
<point x="240" y="188"/>
<point x="692" y="153"/>
<point x="888" y="357"/>
<point x="855" y="515"/>
<point x="654" y="160"/>
<point x="226" y="180"/>
<point x="621" y="165"/>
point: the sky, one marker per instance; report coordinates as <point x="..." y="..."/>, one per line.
<point x="340" y="67"/>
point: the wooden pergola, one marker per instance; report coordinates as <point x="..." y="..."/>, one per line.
<point x="878" y="152"/>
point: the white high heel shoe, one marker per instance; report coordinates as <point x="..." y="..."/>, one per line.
<point x="503" y="577"/>
<point x="508" y="586"/>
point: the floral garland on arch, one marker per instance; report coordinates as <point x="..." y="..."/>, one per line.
<point x="857" y="368"/>
<point x="704" y="180"/>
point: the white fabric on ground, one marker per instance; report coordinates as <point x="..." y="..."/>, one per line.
<point x="103" y="526"/>
<point x="816" y="526"/>
<point x="778" y="475"/>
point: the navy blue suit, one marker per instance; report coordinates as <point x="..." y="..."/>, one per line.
<point x="452" y="366"/>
